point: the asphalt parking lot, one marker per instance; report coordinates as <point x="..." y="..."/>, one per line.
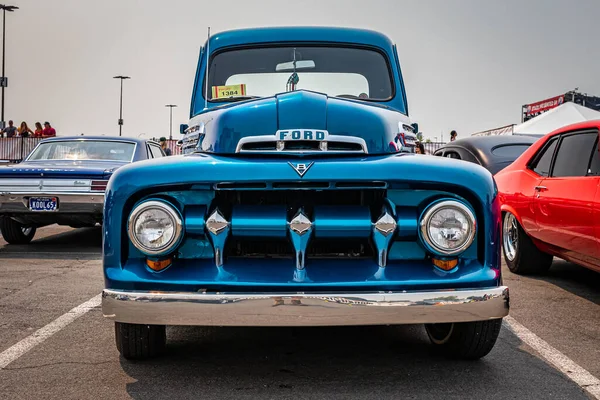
<point x="557" y="342"/>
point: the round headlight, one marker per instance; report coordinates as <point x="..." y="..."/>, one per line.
<point x="154" y="227"/>
<point x="448" y="227"/>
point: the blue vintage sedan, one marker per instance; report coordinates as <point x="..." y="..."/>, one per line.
<point x="63" y="181"/>
<point x="298" y="207"/>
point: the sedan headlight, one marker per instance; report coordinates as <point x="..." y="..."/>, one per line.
<point x="448" y="227"/>
<point x="154" y="227"/>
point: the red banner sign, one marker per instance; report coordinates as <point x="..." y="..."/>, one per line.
<point x="544" y="105"/>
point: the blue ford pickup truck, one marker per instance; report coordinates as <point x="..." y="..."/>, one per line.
<point x="298" y="206"/>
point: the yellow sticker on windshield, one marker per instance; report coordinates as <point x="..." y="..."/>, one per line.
<point x="228" y="91"/>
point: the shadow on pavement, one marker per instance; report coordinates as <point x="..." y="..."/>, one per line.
<point x="573" y="278"/>
<point x="73" y="244"/>
<point x="356" y="362"/>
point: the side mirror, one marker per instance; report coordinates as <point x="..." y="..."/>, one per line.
<point x="415" y="127"/>
<point x="183" y="128"/>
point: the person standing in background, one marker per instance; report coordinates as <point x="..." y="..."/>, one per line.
<point x="163" y="145"/>
<point x="38" y="130"/>
<point x="10" y="130"/>
<point x="24" y="129"/>
<point x="453" y="135"/>
<point x="48" y="131"/>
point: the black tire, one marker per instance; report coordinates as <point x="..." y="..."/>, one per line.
<point x="138" y="342"/>
<point x="465" y="340"/>
<point x="526" y="257"/>
<point x="14" y="232"/>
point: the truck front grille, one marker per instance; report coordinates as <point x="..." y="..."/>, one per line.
<point x="318" y="248"/>
<point x="303" y="197"/>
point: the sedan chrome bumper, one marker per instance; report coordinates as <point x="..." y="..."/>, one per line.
<point x="68" y="202"/>
<point x="305" y="309"/>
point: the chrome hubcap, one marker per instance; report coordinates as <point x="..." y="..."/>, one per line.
<point x="510" y="236"/>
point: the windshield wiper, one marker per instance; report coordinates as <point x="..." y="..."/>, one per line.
<point x="236" y="98"/>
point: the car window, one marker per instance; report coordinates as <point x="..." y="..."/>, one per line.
<point x="542" y="165"/>
<point x="452" y="154"/>
<point x="595" y="162"/>
<point x="466" y="155"/>
<point x="156" y="151"/>
<point x="83" y="149"/>
<point x="510" y="150"/>
<point x="573" y="156"/>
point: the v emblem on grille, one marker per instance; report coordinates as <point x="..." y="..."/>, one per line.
<point x="301" y="168"/>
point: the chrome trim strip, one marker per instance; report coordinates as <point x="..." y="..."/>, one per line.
<point x="330" y="138"/>
<point x="64" y="197"/>
<point x="305" y="309"/>
<point x="41" y="184"/>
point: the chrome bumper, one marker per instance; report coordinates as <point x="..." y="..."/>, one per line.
<point x="15" y="202"/>
<point x="302" y="309"/>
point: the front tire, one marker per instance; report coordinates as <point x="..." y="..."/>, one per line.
<point x="520" y="253"/>
<point x="465" y="340"/>
<point x="15" y="232"/>
<point x="138" y="342"/>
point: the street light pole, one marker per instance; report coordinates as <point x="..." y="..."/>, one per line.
<point x="171" y="119"/>
<point x="121" y="77"/>
<point x="4" y="81"/>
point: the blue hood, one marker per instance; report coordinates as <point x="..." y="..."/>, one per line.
<point x="226" y="125"/>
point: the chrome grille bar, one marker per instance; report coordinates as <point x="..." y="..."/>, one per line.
<point x="270" y="144"/>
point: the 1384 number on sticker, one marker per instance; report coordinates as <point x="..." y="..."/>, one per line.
<point x="228" y="91"/>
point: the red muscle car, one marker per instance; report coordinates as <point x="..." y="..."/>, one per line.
<point x="551" y="203"/>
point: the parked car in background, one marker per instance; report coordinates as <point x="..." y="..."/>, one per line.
<point x="492" y="152"/>
<point x="294" y="210"/>
<point x="62" y="181"/>
<point x="551" y="203"/>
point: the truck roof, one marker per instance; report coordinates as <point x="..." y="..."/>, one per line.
<point x="299" y="34"/>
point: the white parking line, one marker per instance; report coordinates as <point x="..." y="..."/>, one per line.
<point x="12" y="353"/>
<point x="564" y="364"/>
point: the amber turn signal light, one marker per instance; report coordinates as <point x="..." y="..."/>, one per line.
<point x="158" y="265"/>
<point x="446" y="265"/>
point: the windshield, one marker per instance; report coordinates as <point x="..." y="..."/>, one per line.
<point x="84" y="150"/>
<point x="336" y="71"/>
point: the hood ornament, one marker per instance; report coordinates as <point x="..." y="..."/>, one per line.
<point x="301" y="168"/>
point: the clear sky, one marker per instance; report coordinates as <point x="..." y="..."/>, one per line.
<point x="468" y="65"/>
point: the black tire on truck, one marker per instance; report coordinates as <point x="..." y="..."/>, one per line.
<point x="520" y="253"/>
<point x="465" y="340"/>
<point x="138" y="342"/>
<point x="15" y="232"/>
